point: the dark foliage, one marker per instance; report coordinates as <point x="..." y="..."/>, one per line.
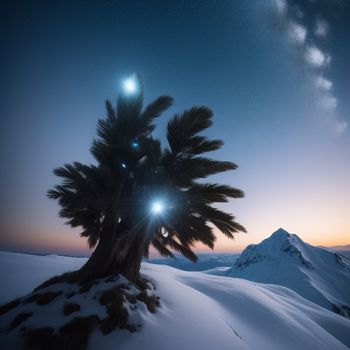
<point x="111" y="200"/>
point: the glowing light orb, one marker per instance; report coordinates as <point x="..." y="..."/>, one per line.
<point x="123" y="165"/>
<point x="135" y="144"/>
<point x="157" y="207"/>
<point x="130" y="85"/>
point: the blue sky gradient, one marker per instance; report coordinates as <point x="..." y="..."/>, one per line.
<point x="242" y="59"/>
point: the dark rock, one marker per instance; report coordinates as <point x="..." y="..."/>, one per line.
<point x="75" y="334"/>
<point x="86" y="287"/>
<point x="152" y="301"/>
<point x="67" y="277"/>
<point x="19" y="319"/>
<point x="47" y="297"/>
<point x="42" y="299"/>
<point x="131" y="298"/>
<point x="39" y="339"/>
<point x="9" y="306"/>
<point x="119" y="313"/>
<point x="112" y="295"/>
<point x="69" y="308"/>
<point x="142" y="283"/>
<point x="31" y="299"/>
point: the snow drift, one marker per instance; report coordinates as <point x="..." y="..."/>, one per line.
<point x="197" y="311"/>
<point x="318" y="274"/>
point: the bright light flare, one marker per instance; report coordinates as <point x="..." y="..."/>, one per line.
<point x="135" y="144"/>
<point x="130" y="85"/>
<point x="157" y="207"/>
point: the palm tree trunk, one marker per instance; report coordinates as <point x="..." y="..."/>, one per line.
<point x="130" y="266"/>
<point x="103" y="256"/>
<point x="106" y="258"/>
<point x="127" y="256"/>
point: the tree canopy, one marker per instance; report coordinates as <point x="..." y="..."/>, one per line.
<point x="134" y="172"/>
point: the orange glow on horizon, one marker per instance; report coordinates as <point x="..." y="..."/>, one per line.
<point x="69" y="242"/>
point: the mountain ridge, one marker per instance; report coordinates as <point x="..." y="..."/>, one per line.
<point x="318" y="274"/>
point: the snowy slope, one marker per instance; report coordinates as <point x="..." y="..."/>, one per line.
<point x="200" y="311"/>
<point x="21" y="273"/>
<point x="318" y="274"/>
<point x="205" y="261"/>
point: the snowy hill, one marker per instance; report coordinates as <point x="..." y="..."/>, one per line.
<point x="318" y="274"/>
<point x="197" y="311"/>
<point x="20" y="273"/>
<point x="205" y="261"/>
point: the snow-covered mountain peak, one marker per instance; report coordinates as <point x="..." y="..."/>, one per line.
<point x="281" y="245"/>
<point x="280" y="234"/>
<point x="320" y="275"/>
<point x="281" y="237"/>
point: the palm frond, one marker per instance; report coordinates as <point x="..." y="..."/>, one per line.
<point x="200" y="144"/>
<point x="152" y="111"/>
<point x="222" y="220"/>
<point x="161" y="248"/>
<point x="186" y="170"/>
<point x="213" y="193"/>
<point x="110" y="111"/>
<point x="183" y="127"/>
<point x="184" y="250"/>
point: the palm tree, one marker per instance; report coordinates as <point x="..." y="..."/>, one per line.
<point x="140" y="193"/>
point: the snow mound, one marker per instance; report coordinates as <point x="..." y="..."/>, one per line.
<point x="201" y="311"/>
<point x="318" y="274"/>
<point x="62" y="315"/>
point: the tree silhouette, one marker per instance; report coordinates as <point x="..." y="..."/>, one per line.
<point x="139" y="193"/>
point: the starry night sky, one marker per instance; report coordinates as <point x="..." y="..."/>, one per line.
<point x="275" y="73"/>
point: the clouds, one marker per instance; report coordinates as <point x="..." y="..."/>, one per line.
<point x="281" y="7"/>
<point x="307" y="30"/>
<point x="321" y="28"/>
<point x="315" y="57"/>
<point x="297" y="32"/>
<point x="329" y="102"/>
<point x="322" y="83"/>
<point x="341" y="126"/>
